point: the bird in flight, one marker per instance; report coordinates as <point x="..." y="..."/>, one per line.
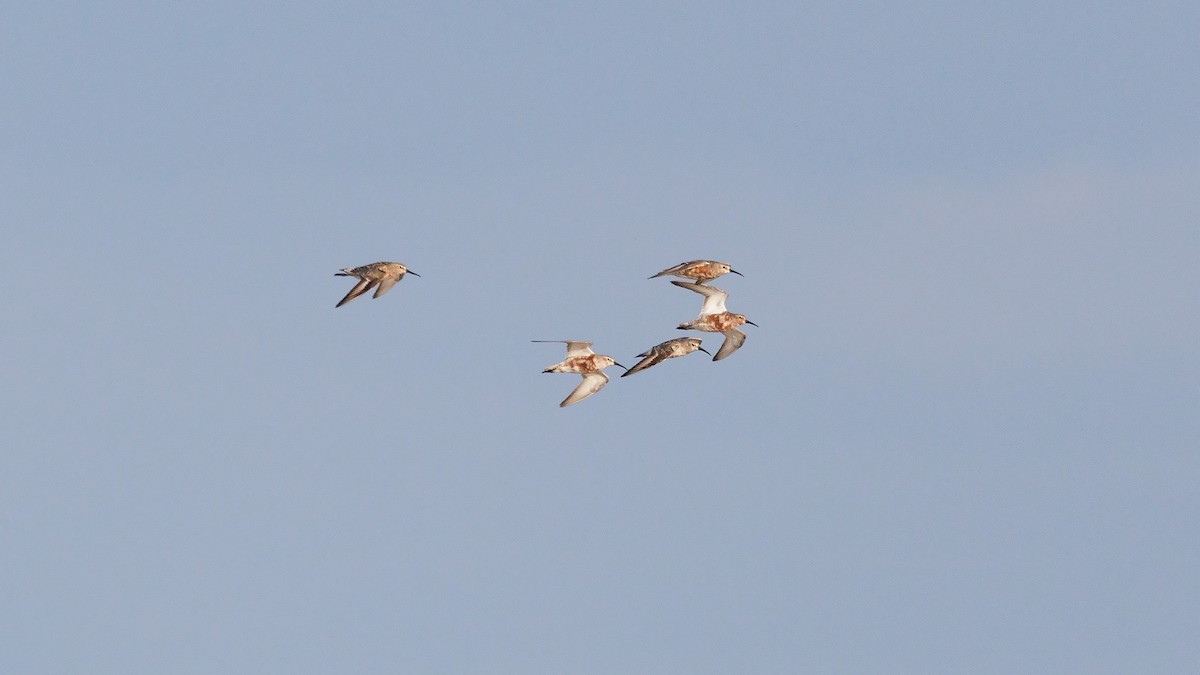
<point x="581" y="359"/>
<point x="380" y="275"/>
<point x="699" y="271"/>
<point x="666" y="350"/>
<point x="714" y="318"/>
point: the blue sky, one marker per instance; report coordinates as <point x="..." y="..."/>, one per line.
<point x="964" y="437"/>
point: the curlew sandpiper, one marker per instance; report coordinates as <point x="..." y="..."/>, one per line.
<point x="714" y="318"/>
<point x="581" y="359"/>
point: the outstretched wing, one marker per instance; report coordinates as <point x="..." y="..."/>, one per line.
<point x="361" y="287"/>
<point x="714" y="298"/>
<point x="676" y="269"/>
<point x="592" y="383"/>
<point x="653" y="358"/>
<point x="734" y="339"/>
<point x="574" y="347"/>
<point x="578" y="348"/>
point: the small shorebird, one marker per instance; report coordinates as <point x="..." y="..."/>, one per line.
<point x="714" y="318"/>
<point x="666" y="350"/>
<point x="581" y="359"/>
<point x="381" y="274"/>
<point x="699" y="270"/>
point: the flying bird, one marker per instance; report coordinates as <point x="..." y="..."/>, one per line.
<point x="666" y="350"/>
<point x="581" y="359"/>
<point x="699" y="270"/>
<point x="714" y="318"/>
<point x="383" y="275"/>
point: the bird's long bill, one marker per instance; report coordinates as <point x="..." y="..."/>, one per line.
<point x="617" y="364"/>
<point x="412" y="273"/>
<point x="752" y="323"/>
<point x="704" y="350"/>
<point x="737" y="272"/>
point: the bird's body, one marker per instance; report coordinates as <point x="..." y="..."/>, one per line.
<point x="663" y="351"/>
<point x="580" y="364"/>
<point x="714" y="318"/>
<point x="380" y="275"/>
<point x="582" y="360"/>
<point x="698" y="271"/>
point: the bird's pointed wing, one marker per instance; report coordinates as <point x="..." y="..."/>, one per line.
<point x="578" y="348"/>
<point x="714" y="298"/>
<point x="592" y="383"/>
<point x="361" y="287"/>
<point x="574" y="347"/>
<point x="674" y="270"/>
<point x="734" y="339"/>
<point x="653" y="358"/>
